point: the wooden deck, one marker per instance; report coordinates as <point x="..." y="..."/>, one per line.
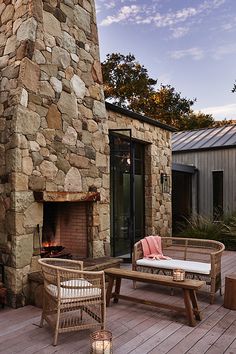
<point x="136" y="328"/>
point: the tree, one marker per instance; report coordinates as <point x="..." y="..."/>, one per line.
<point x="125" y="80"/>
<point x="197" y="121"/>
<point x="127" y="84"/>
<point x="166" y="105"/>
<point x="234" y="88"/>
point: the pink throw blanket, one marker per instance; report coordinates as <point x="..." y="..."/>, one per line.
<point x="152" y="247"/>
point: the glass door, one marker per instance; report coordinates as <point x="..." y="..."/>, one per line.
<point x="127" y="192"/>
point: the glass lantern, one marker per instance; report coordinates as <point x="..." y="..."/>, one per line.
<point x="101" y="342"/>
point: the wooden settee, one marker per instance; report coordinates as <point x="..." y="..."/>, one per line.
<point x="201" y="259"/>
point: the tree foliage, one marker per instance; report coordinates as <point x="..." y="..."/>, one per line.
<point x="197" y="121"/>
<point x="167" y="105"/>
<point x="125" y="80"/>
<point x="127" y="84"/>
<point x="234" y="88"/>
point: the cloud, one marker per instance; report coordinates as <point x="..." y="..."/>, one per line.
<point x="228" y="26"/>
<point x="150" y="14"/>
<point x="125" y="14"/>
<point x="179" y="32"/>
<point x="173" y="18"/>
<point x="110" y="5"/>
<point x="229" y="23"/>
<point x="223" y="50"/>
<point x="227" y="111"/>
<point x="195" y="53"/>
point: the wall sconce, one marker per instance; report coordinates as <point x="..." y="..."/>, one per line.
<point x="165" y="182"/>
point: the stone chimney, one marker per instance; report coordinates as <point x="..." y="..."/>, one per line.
<point x="53" y="125"/>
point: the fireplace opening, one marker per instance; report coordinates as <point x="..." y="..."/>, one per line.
<point x="65" y="230"/>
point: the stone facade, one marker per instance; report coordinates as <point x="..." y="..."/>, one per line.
<point x="54" y="139"/>
<point x="53" y="124"/>
<point x="158" y="213"/>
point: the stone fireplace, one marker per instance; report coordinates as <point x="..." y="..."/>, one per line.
<point x="54" y="152"/>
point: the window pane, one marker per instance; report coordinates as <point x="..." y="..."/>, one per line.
<point x="217" y="177"/>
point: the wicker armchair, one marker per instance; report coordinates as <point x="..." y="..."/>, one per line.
<point x="74" y="299"/>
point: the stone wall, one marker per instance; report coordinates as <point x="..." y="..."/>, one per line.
<point x="53" y="124"/>
<point x="157" y="160"/>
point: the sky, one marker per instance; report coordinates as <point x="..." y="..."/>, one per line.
<point x="189" y="44"/>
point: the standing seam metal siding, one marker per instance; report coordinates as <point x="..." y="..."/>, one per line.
<point x="206" y="162"/>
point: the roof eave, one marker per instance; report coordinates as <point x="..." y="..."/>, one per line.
<point x="139" y="117"/>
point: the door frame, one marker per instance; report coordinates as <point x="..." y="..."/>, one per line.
<point x="131" y="224"/>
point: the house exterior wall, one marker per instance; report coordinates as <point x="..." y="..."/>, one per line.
<point x="206" y="162"/>
<point x="54" y="131"/>
<point x="53" y="124"/>
<point x="157" y="159"/>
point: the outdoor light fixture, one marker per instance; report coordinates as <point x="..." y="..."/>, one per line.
<point x="101" y="342"/>
<point x="165" y="182"/>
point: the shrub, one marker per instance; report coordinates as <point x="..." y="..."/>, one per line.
<point x="229" y="232"/>
<point x="198" y="226"/>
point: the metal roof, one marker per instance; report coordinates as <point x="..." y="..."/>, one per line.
<point x="205" y="139"/>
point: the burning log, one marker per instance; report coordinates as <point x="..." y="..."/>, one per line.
<point x="54" y="252"/>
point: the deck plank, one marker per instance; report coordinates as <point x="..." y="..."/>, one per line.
<point x="222" y="344"/>
<point x="136" y="328"/>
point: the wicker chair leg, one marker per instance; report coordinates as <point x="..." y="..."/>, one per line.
<point x="55" y="338"/>
<point x="43" y="311"/>
<point x="56" y="328"/>
<point x="134" y="285"/>
<point x="41" y="321"/>
<point x="213" y="290"/>
<point x="103" y="313"/>
<point x="221" y="290"/>
<point x="81" y="314"/>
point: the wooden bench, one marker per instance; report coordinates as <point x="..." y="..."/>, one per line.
<point x="188" y="286"/>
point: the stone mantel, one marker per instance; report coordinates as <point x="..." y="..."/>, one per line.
<point x="66" y="196"/>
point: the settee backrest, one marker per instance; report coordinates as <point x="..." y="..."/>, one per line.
<point x="185" y="248"/>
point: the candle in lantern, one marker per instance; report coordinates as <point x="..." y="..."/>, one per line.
<point x="101" y="342"/>
<point x="101" y="347"/>
<point x="178" y="274"/>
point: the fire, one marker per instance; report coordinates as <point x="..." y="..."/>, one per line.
<point x="50" y="244"/>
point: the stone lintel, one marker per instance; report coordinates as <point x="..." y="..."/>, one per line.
<point x="66" y="197"/>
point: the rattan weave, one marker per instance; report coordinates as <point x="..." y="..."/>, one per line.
<point x="74" y="299"/>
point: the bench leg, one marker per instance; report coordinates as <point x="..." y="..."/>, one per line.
<point x="117" y="289"/>
<point x="188" y="308"/>
<point x="196" y="310"/>
<point x="109" y="290"/>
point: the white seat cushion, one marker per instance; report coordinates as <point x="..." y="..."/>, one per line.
<point x="72" y="289"/>
<point x="188" y="266"/>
